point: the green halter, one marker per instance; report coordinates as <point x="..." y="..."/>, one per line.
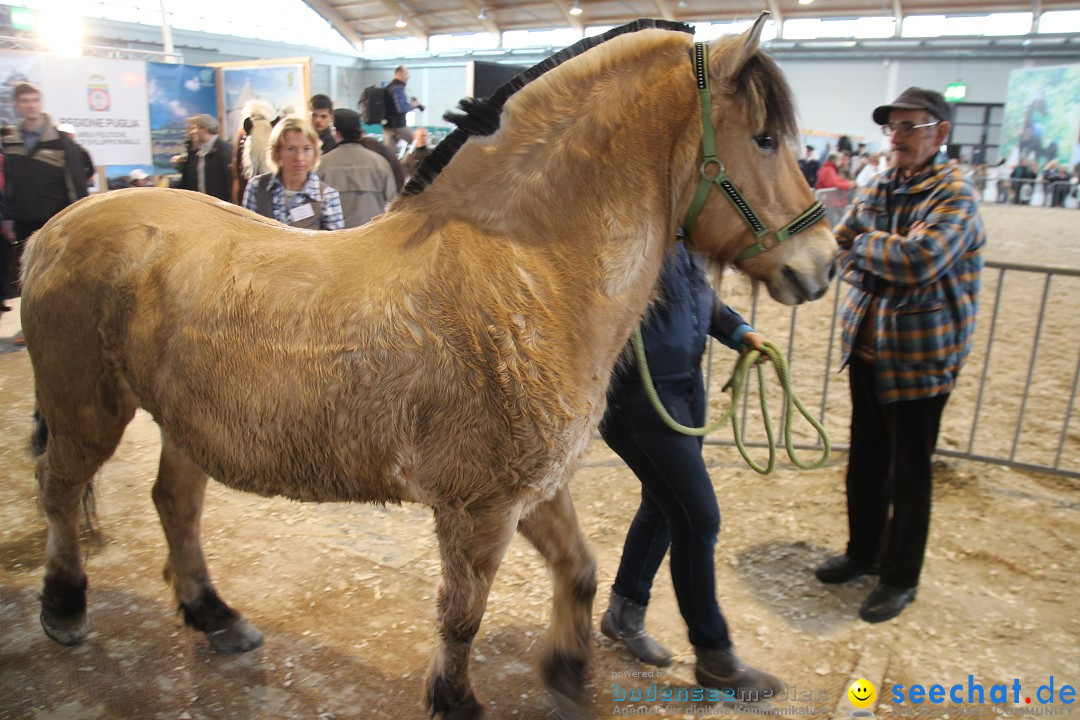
<point x="767" y="239"/>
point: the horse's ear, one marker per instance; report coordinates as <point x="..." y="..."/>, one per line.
<point x="744" y="48"/>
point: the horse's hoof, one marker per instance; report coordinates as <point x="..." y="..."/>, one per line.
<point x="565" y="707"/>
<point x="66" y="632"/>
<point x="241" y="636"/>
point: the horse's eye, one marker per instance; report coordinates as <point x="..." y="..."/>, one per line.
<point x="765" y="141"/>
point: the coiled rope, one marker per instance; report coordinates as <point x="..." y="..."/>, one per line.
<point x="736" y="383"/>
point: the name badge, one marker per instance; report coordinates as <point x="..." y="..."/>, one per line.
<point x="301" y="212"/>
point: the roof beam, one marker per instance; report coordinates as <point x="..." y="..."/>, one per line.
<point x="415" y="27"/>
<point x="665" y="9"/>
<point x="777" y="16"/>
<point x="340" y="24"/>
<point x="489" y="24"/>
<point x="571" y="20"/>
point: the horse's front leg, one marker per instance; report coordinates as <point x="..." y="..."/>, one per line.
<point x="552" y="527"/>
<point x="472" y="542"/>
<point x="178" y="496"/>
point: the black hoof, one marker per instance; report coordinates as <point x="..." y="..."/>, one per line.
<point x="442" y="703"/>
<point x="71" y="631"/>
<point x="564" y="678"/>
<point x="239" y="637"/>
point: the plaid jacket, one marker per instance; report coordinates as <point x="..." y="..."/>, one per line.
<point x="927" y="284"/>
<point x="332" y="217"/>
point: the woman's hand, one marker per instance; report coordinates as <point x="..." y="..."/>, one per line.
<point x="754" y="341"/>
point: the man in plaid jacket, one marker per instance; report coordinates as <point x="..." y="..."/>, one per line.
<point x="911" y="249"/>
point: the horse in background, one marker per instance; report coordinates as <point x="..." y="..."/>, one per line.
<point x="456" y="351"/>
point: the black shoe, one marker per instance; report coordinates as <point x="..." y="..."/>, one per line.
<point x="624" y="621"/>
<point x="885" y="603"/>
<point x="841" y="569"/>
<point x="722" y="670"/>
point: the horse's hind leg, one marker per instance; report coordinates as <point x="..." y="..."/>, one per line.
<point x="552" y="527"/>
<point x="178" y="497"/>
<point x="472" y="544"/>
<point x="64" y="471"/>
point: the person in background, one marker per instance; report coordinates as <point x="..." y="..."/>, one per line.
<point x="382" y="150"/>
<point x="44" y="172"/>
<point x="1022" y="180"/>
<point x="292" y="193"/>
<point x="870" y="169"/>
<point x="1057" y="183"/>
<point x="678" y="507"/>
<point x="399" y="105"/>
<point x="418" y="153"/>
<point x="829" y="175"/>
<point x="206" y="167"/>
<point x="911" y="250"/>
<point x="88" y="162"/>
<point x="137" y="178"/>
<point x="363" y="178"/>
<point x="810" y="166"/>
<point x="251" y="143"/>
<point x="322" y="119"/>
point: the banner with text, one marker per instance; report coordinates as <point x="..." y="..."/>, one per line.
<point x="106" y="102"/>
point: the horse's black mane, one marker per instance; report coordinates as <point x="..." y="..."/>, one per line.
<point x="481" y="116"/>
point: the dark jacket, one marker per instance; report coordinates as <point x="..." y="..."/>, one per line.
<point x="397" y="104"/>
<point x="41" y="183"/>
<point x="329" y="142"/>
<point x="676" y="327"/>
<point x="219" y="176"/>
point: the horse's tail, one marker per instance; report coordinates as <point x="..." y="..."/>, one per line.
<point x="39" y="440"/>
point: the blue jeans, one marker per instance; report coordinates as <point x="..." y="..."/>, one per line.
<point x="678" y="505"/>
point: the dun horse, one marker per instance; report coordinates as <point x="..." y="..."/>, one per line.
<point x="454" y="352"/>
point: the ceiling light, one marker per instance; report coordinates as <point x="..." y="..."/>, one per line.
<point x="576" y="10"/>
<point x="483" y="14"/>
<point x="682" y="3"/>
<point x="805" y="2"/>
<point x="400" y="22"/>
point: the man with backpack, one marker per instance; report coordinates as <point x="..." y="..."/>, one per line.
<point x="398" y="104"/>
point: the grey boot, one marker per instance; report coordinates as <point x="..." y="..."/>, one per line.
<point x="625" y="621"/>
<point x="722" y="670"/>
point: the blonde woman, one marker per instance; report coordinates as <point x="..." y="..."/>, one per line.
<point x="292" y="193"/>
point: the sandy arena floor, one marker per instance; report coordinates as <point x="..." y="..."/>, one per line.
<point x="344" y="594"/>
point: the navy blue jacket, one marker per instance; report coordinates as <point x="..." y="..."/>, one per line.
<point x="676" y="328"/>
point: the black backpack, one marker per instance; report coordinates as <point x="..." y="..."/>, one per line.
<point x="373" y="105"/>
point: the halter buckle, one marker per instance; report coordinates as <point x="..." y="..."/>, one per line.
<point x="704" y="169"/>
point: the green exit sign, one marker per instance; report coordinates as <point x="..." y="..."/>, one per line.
<point x="955" y="92"/>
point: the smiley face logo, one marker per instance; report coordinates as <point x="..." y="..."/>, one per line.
<point x="862" y="693"/>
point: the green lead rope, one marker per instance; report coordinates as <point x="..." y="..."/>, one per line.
<point x="736" y="383"/>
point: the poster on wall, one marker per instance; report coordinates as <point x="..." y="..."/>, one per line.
<point x="105" y="101"/>
<point x="176" y="92"/>
<point x="1042" y="115"/>
<point x="17" y="67"/>
<point x="285" y="84"/>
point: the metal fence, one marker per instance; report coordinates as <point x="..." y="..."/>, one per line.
<point x="1016" y="395"/>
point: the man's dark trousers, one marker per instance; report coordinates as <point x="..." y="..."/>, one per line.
<point x="890" y="465"/>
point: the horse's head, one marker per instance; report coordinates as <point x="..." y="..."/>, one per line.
<point x="749" y="184"/>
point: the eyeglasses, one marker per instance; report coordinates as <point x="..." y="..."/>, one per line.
<point x="905" y="128"/>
